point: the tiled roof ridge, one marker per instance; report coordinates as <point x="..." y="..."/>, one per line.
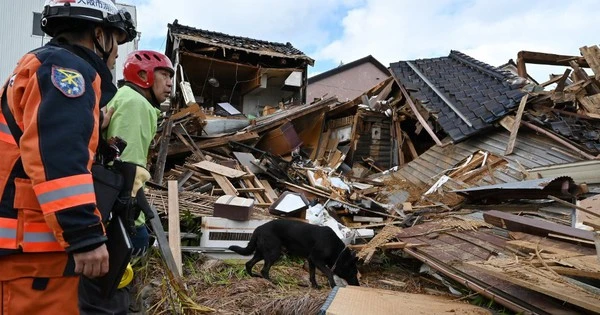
<point x="287" y="45"/>
<point x="481" y="66"/>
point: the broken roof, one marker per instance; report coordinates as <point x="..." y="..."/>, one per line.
<point x="465" y="95"/>
<point x="255" y="46"/>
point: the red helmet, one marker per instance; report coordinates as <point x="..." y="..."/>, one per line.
<point x="146" y="60"/>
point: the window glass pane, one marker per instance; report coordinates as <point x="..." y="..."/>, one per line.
<point x="37" y="29"/>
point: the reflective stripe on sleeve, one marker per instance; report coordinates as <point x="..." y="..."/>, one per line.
<point x="65" y="193"/>
<point x="38" y="237"/>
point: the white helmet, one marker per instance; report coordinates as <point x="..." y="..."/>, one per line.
<point x="61" y="15"/>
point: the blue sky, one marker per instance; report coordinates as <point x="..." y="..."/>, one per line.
<point x="334" y="31"/>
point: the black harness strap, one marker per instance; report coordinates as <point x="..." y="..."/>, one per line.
<point x="16" y="132"/>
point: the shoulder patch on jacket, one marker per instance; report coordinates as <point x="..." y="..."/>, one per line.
<point x="70" y="82"/>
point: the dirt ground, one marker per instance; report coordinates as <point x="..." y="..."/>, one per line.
<point x="224" y="287"/>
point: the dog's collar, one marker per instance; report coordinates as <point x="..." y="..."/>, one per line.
<point x="338" y="258"/>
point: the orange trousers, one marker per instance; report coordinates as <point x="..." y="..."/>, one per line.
<point x="17" y="297"/>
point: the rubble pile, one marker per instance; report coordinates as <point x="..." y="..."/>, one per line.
<point x="479" y="172"/>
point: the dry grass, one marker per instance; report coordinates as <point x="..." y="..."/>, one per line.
<point x="224" y="287"/>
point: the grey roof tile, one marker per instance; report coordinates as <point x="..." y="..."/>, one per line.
<point x="477" y="90"/>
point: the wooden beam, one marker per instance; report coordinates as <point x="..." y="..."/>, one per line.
<point x="517" y="223"/>
<point x="592" y="56"/>
<point x="217" y="142"/>
<point x="159" y="167"/>
<point x="521" y="67"/>
<point x="420" y="118"/>
<point x="545" y="282"/>
<point x="254" y="83"/>
<point x="570" y="205"/>
<point x="191" y="146"/>
<point x="174" y="229"/>
<point x="225" y="184"/>
<point x="557" y="78"/>
<point x="219" y="169"/>
<point x="566" y="271"/>
<point x="567" y="144"/>
<point x="515" y="128"/>
<point x="163" y="246"/>
<point x="549" y="59"/>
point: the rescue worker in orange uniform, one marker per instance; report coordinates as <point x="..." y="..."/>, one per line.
<point x="50" y="228"/>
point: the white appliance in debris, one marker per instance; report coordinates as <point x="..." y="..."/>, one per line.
<point x="220" y="233"/>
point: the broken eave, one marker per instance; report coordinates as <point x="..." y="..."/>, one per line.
<point x="261" y="51"/>
<point x="562" y="187"/>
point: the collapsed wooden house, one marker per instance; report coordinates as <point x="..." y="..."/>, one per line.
<point x="247" y="73"/>
<point x="440" y="139"/>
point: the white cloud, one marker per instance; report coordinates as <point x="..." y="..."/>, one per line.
<point x="491" y="31"/>
<point x="331" y="31"/>
<point x="300" y="22"/>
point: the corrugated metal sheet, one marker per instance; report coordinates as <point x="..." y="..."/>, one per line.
<point x="581" y="172"/>
<point x="562" y="186"/>
<point x="530" y="151"/>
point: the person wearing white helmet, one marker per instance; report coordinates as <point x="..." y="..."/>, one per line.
<point x="51" y="230"/>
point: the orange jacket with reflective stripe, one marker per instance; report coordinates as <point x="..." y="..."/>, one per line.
<point x="47" y="200"/>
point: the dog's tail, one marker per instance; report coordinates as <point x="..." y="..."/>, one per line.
<point x="245" y="251"/>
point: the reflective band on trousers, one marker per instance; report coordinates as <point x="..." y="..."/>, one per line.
<point x="38" y="237"/>
<point x="65" y="193"/>
<point x="9" y="233"/>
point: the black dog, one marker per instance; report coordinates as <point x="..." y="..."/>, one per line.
<point x="318" y="244"/>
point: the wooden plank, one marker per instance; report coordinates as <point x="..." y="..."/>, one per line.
<point x="540" y="58"/>
<point x="191" y="145"/>
<point x="545" y="282"/>
<point x="557" y="78"/>
<point x="193" y="110"/>
<point x="163" y="246"/>
<point x="183" y="178"/>
<point x="592" y="56"/>
<point x="566" y="271"/>
<point x="217" y="142"/>
<point x="551" y="243"/>
<point x="219" y="169"/>
<point x="383" y="95"/>
<point x="538" y="227"/>
<point x="225" y="184"/>
<point x="515" y="128"/>
<point x="174" y="229"/>
<point x="570" y="205"/>
<point x="580" y="74"/>
<point x="243" y="190"/>
<point x="420" y="118"/>
<point x="530" y="247"/>
<point x="263" y="191"/>
<point x="159" y="167"/>
<point x="411" y="146"/>
<point x="590" y="103"/>
<point x="269" y="190"/>
<point x="249" y="184"/>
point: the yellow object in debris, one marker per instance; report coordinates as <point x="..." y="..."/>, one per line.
<point x="127" y="277"/>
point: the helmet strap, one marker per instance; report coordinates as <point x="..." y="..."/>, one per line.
<point x="100" y="48"/>
<point x="154" y="100"/>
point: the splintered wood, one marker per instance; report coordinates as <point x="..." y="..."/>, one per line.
<point x="386" y="234"/>
<point x="541" y="280"/>
<point x="463" y="224"/>
<point x="196" y="204"/>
